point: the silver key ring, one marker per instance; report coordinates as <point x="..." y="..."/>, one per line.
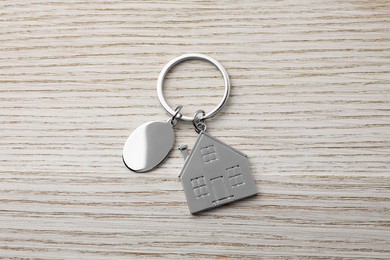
<point x="193" y="56"/>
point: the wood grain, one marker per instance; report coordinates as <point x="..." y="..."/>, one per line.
<point x="310" y="106"/>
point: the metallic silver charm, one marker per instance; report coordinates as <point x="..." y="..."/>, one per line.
<point x="214" y="174"/>
<point x="148" y="146"/>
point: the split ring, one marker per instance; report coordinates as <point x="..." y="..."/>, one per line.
<point x="194" y="56"/>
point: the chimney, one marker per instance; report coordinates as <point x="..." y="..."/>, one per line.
<point x="184" y="151"/>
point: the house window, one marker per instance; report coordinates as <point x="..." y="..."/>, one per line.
<point x="208" y="154"/>
<point x="235" y="176"/>
<point x="199" y="186"/>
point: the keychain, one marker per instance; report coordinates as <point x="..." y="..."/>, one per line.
<point x="214" y="173"/>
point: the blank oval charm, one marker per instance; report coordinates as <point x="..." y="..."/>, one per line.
<point x="148" y="146"/>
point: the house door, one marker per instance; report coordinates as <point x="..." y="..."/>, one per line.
<point x="220" y="192"/>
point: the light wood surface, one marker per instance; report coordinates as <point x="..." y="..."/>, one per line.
<point x="310" y="106"/>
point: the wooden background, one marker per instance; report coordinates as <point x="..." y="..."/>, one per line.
<point x="310" y="106"/>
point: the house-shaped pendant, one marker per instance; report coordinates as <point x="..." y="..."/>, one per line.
<point x="215" y="174"/>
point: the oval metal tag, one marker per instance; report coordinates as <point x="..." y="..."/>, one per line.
<point x="148" y="146"/>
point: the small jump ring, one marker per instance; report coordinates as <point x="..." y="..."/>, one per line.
<point x="173" y="119"/>
<point x="198" y="122"/>
<point x="177" y="111"/>
<point x="194" y="56"/>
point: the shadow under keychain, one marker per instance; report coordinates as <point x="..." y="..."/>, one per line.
<point x="214" y="173"/>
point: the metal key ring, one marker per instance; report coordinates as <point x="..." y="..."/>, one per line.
<point x="192" y="56"/>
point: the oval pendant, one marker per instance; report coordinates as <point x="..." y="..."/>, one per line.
<point x="148" y="146"/>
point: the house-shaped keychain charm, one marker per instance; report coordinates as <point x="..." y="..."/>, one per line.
<point x="214" y="174"/>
